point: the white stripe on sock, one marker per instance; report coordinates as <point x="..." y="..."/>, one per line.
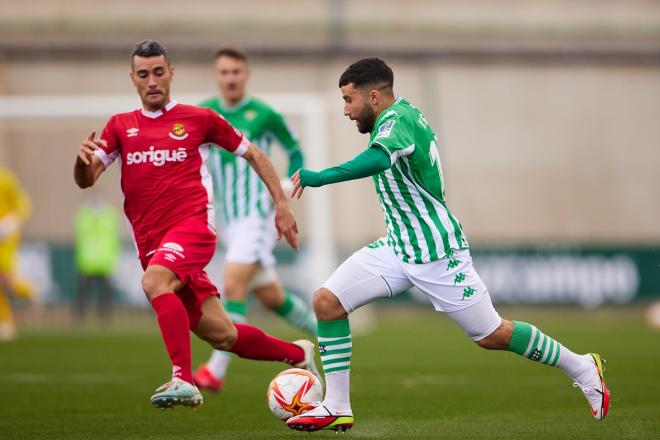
<point x="531" y="341"/>
<point x="338" y="346"/>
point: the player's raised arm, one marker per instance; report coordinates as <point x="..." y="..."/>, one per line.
<point x="371" y="161"/>
<point x="88" y="165"/>
<point x="285" y="222"/>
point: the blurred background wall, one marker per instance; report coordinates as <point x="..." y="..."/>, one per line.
<point x="548" y="112"/>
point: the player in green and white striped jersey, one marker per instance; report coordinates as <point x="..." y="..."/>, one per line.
<point x="425" y="246"/>
<point x="244" y="209"/>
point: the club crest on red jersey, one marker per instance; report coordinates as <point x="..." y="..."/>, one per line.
<point x="178" y="132"/>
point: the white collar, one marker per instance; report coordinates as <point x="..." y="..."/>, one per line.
<point x="153" y="115"/>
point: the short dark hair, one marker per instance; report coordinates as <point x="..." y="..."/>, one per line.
<point x="148" y="49"/>
<point x="232" y="52"/>
<point x="368" y="72"/>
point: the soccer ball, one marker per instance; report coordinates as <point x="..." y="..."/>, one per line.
<point x="291" y="392"/>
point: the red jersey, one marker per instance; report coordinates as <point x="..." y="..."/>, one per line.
<point x="163" y="164"/>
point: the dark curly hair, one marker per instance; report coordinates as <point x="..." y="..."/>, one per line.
<point x="368" y="72"/>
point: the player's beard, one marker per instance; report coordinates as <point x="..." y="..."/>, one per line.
<point x="366" y="119"/>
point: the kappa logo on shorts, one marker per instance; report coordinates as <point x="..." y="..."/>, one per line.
<point x="468" y="292"/>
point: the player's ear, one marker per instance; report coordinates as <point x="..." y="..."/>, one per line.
<point x="374" y="96"/>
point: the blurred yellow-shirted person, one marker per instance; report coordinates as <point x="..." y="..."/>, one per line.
<point x="14" y="211"/>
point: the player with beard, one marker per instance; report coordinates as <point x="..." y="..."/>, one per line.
<point x="424" y="246"/>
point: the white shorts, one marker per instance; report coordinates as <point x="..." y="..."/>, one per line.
<point x="249" y="240"/>
<point x="450" y="284"/>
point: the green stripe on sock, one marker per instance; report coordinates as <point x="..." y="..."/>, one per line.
<point x="336" y="361"/>
<point x="542" y="350"/>
<point x="334" y="329"/>
<point x="548" y="352"/>
<point x="556" y="358"/>
<point x="334" y="370"/>
<point x="522" y="333"/>
<point x="535" y="343"/>
<point x="286" y="306"/>
<point x="337" y="351"/>
<point x="336" y="342"/>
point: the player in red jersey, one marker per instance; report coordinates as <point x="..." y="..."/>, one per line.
<point x="168" y="201"/>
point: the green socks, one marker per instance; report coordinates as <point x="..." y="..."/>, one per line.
<point x="530" y="342"/>
<point x="297" y="313"/>
<point x="335" y="345"/>
<point x="237" y="310"/>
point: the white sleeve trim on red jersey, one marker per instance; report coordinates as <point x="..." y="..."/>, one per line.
<point x="107" y="159"/>
<point x="242" y="147"/>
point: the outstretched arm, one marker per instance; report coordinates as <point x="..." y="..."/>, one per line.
<point x="88" y="165"/>
<point x="285" y="222"/>
<point x="369" y="162"/>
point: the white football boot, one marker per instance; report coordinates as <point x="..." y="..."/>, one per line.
<point x="323" y="417"/>
<point x="177" y="392"/>
<point x="595" y="390"/>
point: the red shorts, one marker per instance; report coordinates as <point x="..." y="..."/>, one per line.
<point x="185" y="249"/>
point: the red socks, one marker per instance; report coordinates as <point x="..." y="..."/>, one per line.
<point x="253" y="343"/>
<point x="175" y="329"/>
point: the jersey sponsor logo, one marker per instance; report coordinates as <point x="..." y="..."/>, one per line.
<point x="132" y="132"/>
<point x="385" y="129"/>
<point x="156" y="157"/>
<point x="178" y="132"/>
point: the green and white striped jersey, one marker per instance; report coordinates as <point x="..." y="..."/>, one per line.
<point x="420" y="227"/>
<point x="238" y="190"/>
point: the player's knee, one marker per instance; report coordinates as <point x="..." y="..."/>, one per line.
<point x="270" y="297"/>
<point x="224" y="339"/>
<point x="157" y="283"/>
<point x="327" y="306"/>
<point x="498" y="339"/>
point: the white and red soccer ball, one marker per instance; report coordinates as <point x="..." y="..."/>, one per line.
<point x="292" y="392"/>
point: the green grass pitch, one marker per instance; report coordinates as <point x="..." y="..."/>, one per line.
<point x="414" y="376"/>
